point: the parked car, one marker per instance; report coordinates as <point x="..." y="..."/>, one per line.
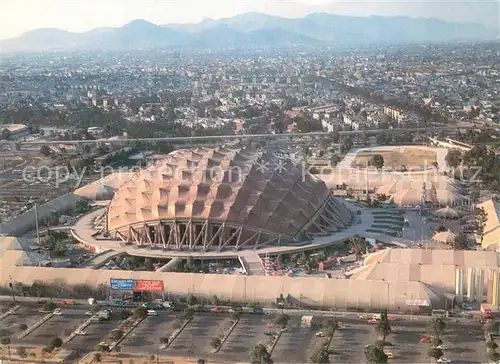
<point x="424" y="340"/>
<point x="443" y="347"/>
<point x="444" y="360"/>
<point x="372" y="321"/>
<point x="89" y="313"/>
<point x="58" y="312"/>
<point x="364" y="316"/>
<point x="216" y="309"/>
<point x="320" y="334"/>
<point x="152" y="313"/>
<point x="96" y="319"/>
<point x="341" y="327"/>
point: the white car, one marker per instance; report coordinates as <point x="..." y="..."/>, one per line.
<point x="320" y="334"/>
<point x="58" y="312"/>
<point x="82" y="333"/>
<point x="443" y="347"/>
<point x="89" y="313"/>
<point x="444" y="360"/>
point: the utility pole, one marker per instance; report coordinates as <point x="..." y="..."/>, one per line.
<point x="11" y="285"/>
<point x="36" y="224"/>
<point x="366" y="169"/>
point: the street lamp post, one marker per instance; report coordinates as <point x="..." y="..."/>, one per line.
<point x="11" y="285"/>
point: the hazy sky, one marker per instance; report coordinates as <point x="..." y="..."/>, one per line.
<point x="19" y="16"/>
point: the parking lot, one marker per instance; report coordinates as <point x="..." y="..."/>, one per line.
<point x="146" y="337"/>
<point x="11" y="325"/>
<point x="296" y="344"/>
<point x="195" y="339"/>
<point x="60" y="326"/>
<point x="95" y="333"/>
<point x="250" y="330"/>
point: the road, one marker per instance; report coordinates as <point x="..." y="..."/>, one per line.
<point x="253" y="137"/>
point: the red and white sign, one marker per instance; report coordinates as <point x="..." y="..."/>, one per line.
<point x="149" y="286"/>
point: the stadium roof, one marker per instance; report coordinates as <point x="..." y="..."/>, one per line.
<point x="243" y="188"/>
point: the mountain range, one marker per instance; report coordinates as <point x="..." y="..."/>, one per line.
<point x="252" y="30"/>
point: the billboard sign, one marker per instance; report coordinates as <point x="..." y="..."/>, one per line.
<point x="122" y="284"/>
<point x="149" y="286"/>
<point x="417" y="303"/>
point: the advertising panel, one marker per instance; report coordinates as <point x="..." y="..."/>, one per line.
<point x="417" y="303"/>
<point x="122" y="284"/>
<point x="149" y="286"/>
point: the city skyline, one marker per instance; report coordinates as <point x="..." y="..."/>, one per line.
<point x="83" y="16"/>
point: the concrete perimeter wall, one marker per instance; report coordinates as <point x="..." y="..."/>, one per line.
<point x="309" y="291"/>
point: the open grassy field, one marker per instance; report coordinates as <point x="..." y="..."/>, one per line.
<point x="397" y="157"/>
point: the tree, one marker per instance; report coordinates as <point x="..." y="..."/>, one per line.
<point x="23" y="327"/>
<point x="49" y="306"/>
<point x="436" y="327"/>
<point x="492" y="345"/>
<point x="358" y="246"/>
<point x="480" y="219"/>
<point x="45" y="150"/>
<point x="6" y="342"/>
<point x="188" y="313"/>
<point x="320" y="356"/>
<point x="200" y="361"/>
<point x="116" y="334"/>
<point x="460" y="242"/>
<point x="329" y="326"/>
<point x="493" y="356"/>
<point x="377" y="161"/>
<point x="334" y="160"/>
<point x="453" y="158"/>
<point x="282" y="320"/>
<point x="191" y="299"/>
<point x="82" y="206"/>
<point x="346" y="145"/>
<point x="164" y="340"/>
<point x="140" y="313"/>
<point x="383" y="329"/>
<point x="22" y="352"/>
<point x="216" y="342"/>
<point x="493" y="327"/>
<point x="260" y="355"/>
<point x="6" y="134"/>
<point x="435" y="353"/>
<point x="56" y="342"/>
<point x="375" y="355"/>
<point x="436" y="342"/>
